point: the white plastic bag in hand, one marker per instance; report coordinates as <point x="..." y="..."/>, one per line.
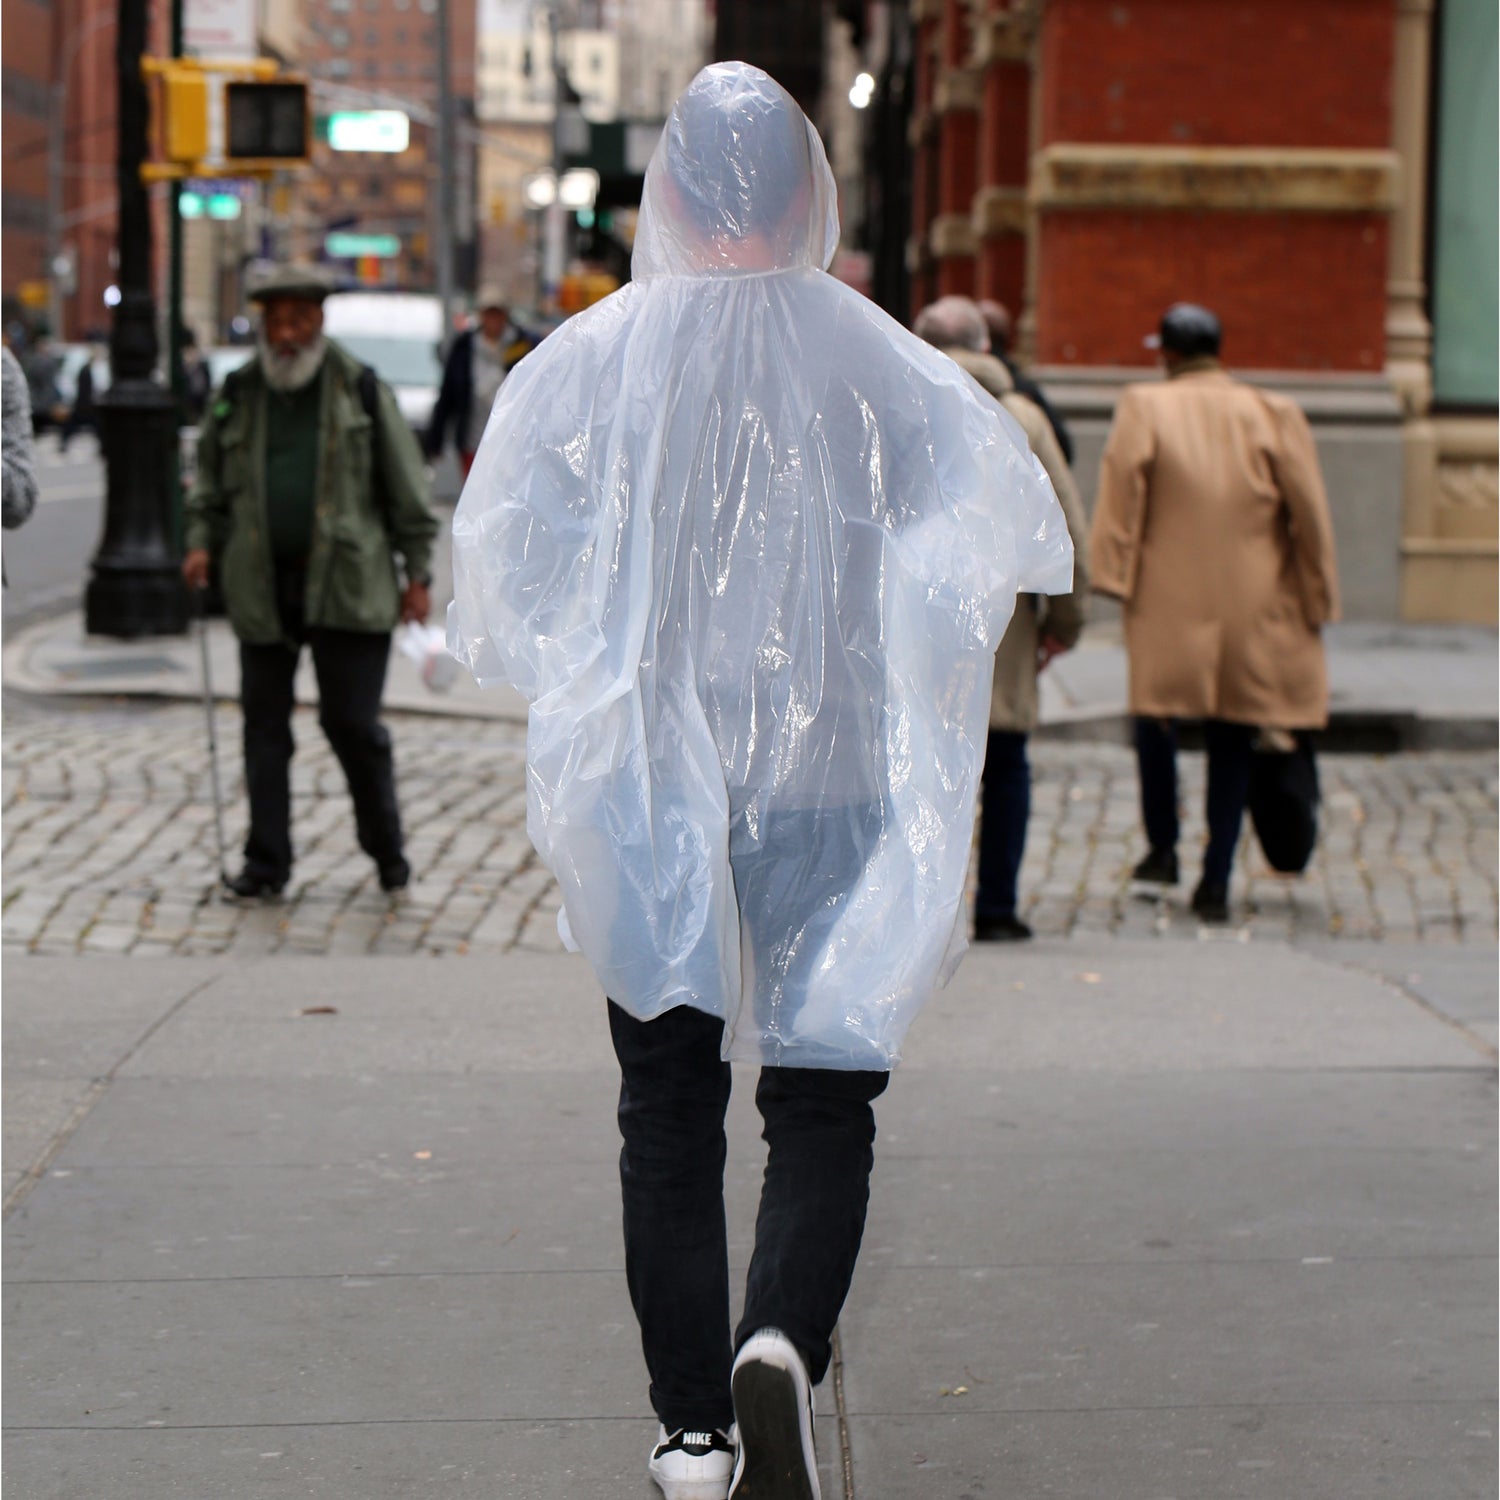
<point x="427" y="646"/>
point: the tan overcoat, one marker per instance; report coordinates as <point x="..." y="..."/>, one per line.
<point x="1013" y="704"/>
<point x="1212" y="527"/>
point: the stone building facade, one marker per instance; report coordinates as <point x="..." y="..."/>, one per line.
<point x="1088" y="162"/>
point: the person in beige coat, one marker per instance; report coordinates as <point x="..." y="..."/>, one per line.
<point x="1212" y="529"/>
<point x="1041" y="628"/>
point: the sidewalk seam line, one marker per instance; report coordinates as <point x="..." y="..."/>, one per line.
<point x="85" y="1107"/>
<point x="841" y="1409"/>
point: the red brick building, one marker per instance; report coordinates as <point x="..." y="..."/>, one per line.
<point x="1088" y="162"/>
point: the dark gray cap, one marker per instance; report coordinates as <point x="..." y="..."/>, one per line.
<point x="1187" y="329"/>
<point x="298" y="279"/>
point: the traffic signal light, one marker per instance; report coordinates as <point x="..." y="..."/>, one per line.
<point x="267" y="121"/>
<point x="184" y="98"/>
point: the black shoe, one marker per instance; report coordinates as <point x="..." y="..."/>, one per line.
<point x="1211" y="902"/>
<point x="248" y="886"/>
<point x="1159" y="867"/>
<point x="395" y="876"/>
<point x="1009" y="929"/>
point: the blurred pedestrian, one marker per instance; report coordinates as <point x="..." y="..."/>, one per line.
<point x="1212" y="528"/>
<point x="309" y="486"/>
<point x="197" y="379"/>
<point x="997" y="320"/>
<point x="1042" y="627"/>
<point x="42" y="364"/>
<point x="16" y="452"/>
<point x="83" y="414"/>
<point x="477" y="364"/>
<point x="747" y="545"/>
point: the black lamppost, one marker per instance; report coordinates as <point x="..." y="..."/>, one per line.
<point x="135" y="589"/>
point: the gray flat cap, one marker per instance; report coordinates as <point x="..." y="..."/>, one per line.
<point x="299" y="279"/>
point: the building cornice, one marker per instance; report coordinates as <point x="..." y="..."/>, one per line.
<point x="1236" y="178"/>
<point x="1003" y="36"/>
<point x="958" y="89"/>
<point x="1000" y="211"/>
<point x="952" y="235"/>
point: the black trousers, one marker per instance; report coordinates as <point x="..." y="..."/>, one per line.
<point x="819" y="1130"/>
<point x="1004" y="810"/>
<point x="1229" y="747"/>
<point x="351" y="667"/>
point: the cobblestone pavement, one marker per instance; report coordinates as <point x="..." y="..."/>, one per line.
<point x="109" y="844"/>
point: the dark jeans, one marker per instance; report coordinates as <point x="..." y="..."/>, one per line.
<point x="1004" y="809"/>
<point x="1228" y="747"/>
<point x="820" y="1132"/>
<point x="351" y="678"/>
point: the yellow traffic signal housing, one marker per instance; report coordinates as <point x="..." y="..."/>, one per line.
<point x="184" y="114"/>
<point x="267" y="118"/>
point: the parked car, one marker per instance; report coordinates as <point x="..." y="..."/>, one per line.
<point x="398" y="334"/>
<point x="225" y="359"/>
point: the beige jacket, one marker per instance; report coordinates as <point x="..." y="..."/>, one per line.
<point x="1013" y="704"/>
<point x="1212" y="527"/>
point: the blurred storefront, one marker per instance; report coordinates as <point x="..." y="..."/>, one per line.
<point x="1323" y="175"/>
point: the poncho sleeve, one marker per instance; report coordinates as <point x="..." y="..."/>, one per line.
<point x="526" y="530"/>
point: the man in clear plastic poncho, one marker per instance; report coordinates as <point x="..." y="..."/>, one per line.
<point x="747" y="546"/>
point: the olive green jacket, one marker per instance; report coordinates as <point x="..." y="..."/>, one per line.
<point x="371" y="504"/>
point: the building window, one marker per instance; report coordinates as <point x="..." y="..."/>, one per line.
<point x="338" y="67"/>
<point x="372" y="69"/>
<point x="338" y="36"/>
<point x="1465" y="203"/>
<point x="372" y="37"/>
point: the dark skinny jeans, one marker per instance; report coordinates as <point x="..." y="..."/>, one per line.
<point x="819" y="1130"/>
<point x="1004" y="810"/>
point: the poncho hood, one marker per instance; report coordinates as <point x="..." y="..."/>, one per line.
<point x="739" y="183"/>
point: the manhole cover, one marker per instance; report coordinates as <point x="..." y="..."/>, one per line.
<point x="117" y="666"/>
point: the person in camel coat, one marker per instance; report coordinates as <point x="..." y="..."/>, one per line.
<point x="1042" y="627"/>
<point x="1212" y="528"/>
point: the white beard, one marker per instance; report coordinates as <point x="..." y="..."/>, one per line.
<point x="292" y="374"/>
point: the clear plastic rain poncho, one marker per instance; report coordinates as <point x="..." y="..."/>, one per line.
<point x="748" y="546"/>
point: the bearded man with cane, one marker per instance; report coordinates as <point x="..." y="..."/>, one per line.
<point x="309" y="489"/>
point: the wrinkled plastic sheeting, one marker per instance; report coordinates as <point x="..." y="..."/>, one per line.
<point x="748" y="546"/>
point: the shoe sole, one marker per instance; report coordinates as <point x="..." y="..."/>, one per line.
<point x="689" y="1489"/>
<point x="777" y="1460"/>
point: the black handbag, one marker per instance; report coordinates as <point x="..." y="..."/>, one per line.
<point x="1284" y="800"/>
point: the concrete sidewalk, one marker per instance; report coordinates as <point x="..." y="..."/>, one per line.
<point x="1210" y="1222"/>
<point x="1392" y="686"/>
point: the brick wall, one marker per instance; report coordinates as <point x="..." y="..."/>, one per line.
<point x="1208" y="72"/>
<point x="1296" y="290"/>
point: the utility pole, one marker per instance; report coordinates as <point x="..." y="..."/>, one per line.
<point x="443" y="237"/>
<point x="135" y="589"/>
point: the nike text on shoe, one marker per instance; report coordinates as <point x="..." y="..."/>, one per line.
<point x="692" y="1465"/>
<point x="773" y="1412"/>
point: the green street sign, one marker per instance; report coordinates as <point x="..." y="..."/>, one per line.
<point x="190" y="205"/>
<point x="369" y="130"/>
<point x="224" y="206"/>
<point x="343" y="245"/>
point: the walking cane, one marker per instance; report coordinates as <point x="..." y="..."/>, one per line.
<point x="199" y="609"/>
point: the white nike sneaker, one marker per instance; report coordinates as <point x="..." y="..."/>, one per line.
<point x="773" y="1412"/>
<point x="692" y="1465"/>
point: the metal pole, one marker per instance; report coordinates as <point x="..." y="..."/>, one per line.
<point x="553" y="252"/>
<point x="135" y="588"/>
<point x="443" y="238"/>
<point x="176" y="379"/>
